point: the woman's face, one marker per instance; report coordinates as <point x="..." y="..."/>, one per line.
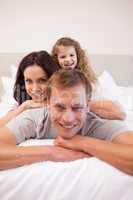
<point x="67" y="57"/>
<point x="35" y="82"/>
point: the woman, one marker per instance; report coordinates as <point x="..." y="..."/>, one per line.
<point x="30" y="86"/>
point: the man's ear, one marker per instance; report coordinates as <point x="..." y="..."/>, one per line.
<point x="88" y="105"/>
<point x="48" y="102"/>
<point x="88" y="102"/>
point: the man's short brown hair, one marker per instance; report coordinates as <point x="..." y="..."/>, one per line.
<point x="69" y="78"/>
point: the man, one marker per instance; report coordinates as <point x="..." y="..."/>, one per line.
<point x="79" y="132"/>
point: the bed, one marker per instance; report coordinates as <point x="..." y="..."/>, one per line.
<point x="86" y="178"/>
<point x="82" y="179"/>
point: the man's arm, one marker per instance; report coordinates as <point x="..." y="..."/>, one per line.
<point x="12" y="155"/>
<point x="107" y="109"/>
<point x="118" y="153"/>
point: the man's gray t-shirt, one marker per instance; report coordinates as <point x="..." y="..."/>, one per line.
<point x="36" y="123"/>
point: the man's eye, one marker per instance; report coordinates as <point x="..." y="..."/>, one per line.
<point x="78" y="109"/>
<point x="60" y="108"/>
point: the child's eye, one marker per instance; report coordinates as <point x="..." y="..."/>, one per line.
<point x="62" y="57"/>
<point x="72" y="55"/>
<point x="42" y="81"/>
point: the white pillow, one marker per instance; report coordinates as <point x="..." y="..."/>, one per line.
<point x="8" y="85"/>
<point x="106" y="87"/>
<point x="106" y="79"/>
<point x="126" y="97"/>
<point x="13" y="71"/>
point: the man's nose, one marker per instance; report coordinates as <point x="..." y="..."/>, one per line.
<point x="68" y="117"/>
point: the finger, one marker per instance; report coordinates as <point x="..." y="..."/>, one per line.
<point x="55" y="142"/>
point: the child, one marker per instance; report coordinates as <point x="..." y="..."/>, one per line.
<point x="68" y="54"/>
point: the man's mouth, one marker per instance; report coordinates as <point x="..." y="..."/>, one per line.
<point x="67" y="126"/>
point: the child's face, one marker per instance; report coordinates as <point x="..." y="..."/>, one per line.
<point x="67" y="57"/>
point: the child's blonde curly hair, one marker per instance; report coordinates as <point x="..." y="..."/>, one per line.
<point x="83" y="61"/>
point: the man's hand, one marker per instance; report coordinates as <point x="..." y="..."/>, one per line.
<point x="75" y="143"/>
<point x="60" y="154"/>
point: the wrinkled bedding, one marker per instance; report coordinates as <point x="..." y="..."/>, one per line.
<point x="88" y="178"/>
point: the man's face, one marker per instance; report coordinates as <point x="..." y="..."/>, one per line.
<point x="68" y="108"/>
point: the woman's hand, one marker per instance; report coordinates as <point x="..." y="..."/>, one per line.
<point x="32" y="104"/>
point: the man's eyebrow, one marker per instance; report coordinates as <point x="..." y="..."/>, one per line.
<point x="60" y="104"/>
<point x="78" y="105"/>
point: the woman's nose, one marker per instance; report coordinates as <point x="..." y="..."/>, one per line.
<point x="35" y="87"/>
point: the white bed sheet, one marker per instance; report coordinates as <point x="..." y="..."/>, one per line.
<point x="81" y="179"/>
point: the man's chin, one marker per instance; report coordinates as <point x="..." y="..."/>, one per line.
<point x="67" y="134"/>
<point x="67" y="137"/>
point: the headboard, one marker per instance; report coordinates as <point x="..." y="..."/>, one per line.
<point x="120" y="66"/>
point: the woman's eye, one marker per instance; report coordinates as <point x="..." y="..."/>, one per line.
<point x="28" y="81"/>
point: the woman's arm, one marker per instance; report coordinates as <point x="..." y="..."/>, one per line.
<point x="107" y="109"/>
<point x="15" y="112"/>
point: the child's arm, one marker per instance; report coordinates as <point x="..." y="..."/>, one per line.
<point x="107" y="109"/>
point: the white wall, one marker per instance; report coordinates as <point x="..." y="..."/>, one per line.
<point x="101" y="26"/>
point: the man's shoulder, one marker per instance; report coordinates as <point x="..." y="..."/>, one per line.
<point x="93" y="116"/>
<point x="37" y="110"/>
<point x="91" y="123"/>
<point x="35" y="113"/>
<point x="103" y="128"/>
